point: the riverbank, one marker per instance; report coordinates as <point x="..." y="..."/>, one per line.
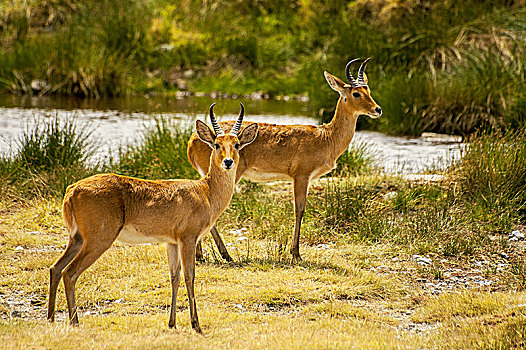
<point x="460" y="64"/>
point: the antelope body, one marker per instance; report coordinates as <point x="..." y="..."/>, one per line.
<point x="299" y="153"/>
<point x="107" y="207"/>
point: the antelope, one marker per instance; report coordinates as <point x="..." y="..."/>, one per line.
<point x="299" y="153"/>
<point x="103" y="208"/>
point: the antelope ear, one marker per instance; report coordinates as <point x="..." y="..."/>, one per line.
<point x="335" y="83"/>
<point x="205" y="134"/>
<point x="248" y="135"/>
<point x="365" y="78"/>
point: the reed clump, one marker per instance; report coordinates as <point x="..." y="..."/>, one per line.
<point x="443" y="66"/>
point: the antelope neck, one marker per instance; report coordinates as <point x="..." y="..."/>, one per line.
<point x="219" y="188"/>
<point x="340" y="130"/>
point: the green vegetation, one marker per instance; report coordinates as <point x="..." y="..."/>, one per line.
<point x="51" y="155"/>
<point x="160" y="154"/>
<point x="446" y="66"/>
<point x="361" y="284"/>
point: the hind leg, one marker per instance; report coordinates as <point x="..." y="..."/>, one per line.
<point x="174" y="264"/>
<point x="55" y="272"/>
<point x="94" y="245"/>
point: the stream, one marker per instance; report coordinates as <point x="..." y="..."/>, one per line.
<point x="119" y="121"/>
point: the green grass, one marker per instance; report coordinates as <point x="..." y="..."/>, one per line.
<point x="160" y="153"/>
<point x="350" y="294"/>
<point x="451" y="67"/>
<point x="359" y="285"/>
<point x="491" y="177"/>
<point x="50" y="155"/>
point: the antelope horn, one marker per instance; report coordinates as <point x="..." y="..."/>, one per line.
<point x="237" y="125"/>
<point x="350" y="78"/>
<point x="217" y="129"/>
<point x="361" y="81"/>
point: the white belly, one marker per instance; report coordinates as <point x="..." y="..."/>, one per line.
<point x="130" y="235"/>
<point x="254" y="175"/>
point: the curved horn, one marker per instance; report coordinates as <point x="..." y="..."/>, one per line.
<point x="361" y="81"/>
<point x="350" y="78"/>
<point x="237" y="125"/>
<point x="217" y="129"/>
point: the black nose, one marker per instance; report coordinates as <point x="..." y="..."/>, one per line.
<point x="378" y="110"/>
<point x="228" y="162"/>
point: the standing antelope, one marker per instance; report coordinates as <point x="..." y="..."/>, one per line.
<point x="107" y="207"/>
<point x="299" y="152"/>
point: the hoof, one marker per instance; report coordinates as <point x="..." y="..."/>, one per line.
<point x="197" y="328"/>
<point x="228" y="258"/>
<point x="296" y="258"/>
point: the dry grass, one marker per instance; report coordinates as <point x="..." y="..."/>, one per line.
<point x="346" y="295"/>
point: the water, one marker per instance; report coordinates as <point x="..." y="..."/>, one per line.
<point x="120" y="121"/>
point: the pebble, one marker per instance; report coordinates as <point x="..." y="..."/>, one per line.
<point x="422" y="260"/>
<point x="516" y="236"/>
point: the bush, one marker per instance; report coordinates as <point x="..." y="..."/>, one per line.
<point x="51" y="155"/>
<point x="160" y="154"/>
<point x="492" y="172"/>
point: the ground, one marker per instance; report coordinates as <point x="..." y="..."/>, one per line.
<point x="344" y="295"/>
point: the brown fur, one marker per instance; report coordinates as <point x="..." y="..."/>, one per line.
<point x="105" y="207"/>
<point x="297" y="152"/>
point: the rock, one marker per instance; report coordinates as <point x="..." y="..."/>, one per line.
<point x="188" y="73"/>
<point x="440" y="138"/>
<point x="181" y="84"/>
<point x="422" y="260"/>
<point x="16" y="313"/>
<point x="516" y="236"/>
<point x="38" y="85"/>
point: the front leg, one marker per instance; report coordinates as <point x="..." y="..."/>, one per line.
<point x="174" y="265"/>
<point x="187" y="252"/>
<point x="301" y="186"/>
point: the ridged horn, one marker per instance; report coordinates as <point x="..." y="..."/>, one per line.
<point x="237" y="125"/>
<point x="361" y="80"/>
<point x="217" y="129"/>
<point x="350" y="78"/>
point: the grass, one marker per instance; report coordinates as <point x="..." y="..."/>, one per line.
<point x="346" y="294"/>
<point x="51" y="154"/>
<point x="451" y="67"/>
<point x="360" y="285"/>
<point x="159" y="154"/>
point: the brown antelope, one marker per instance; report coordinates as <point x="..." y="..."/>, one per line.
<point x="299" y="153"/>
<point x="107" y="207"/>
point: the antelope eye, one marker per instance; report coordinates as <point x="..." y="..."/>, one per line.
<point x="216" y="145"/>
<point x="356" y="95"/>
<point x="236" y="146"/>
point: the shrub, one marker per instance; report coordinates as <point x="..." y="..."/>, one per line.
<point x="160" y="154"/>
<point x="51" y="154"/>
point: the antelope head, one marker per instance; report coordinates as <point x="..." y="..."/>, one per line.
<point x="355" y="95"/>
<point x="226" y="147"/>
